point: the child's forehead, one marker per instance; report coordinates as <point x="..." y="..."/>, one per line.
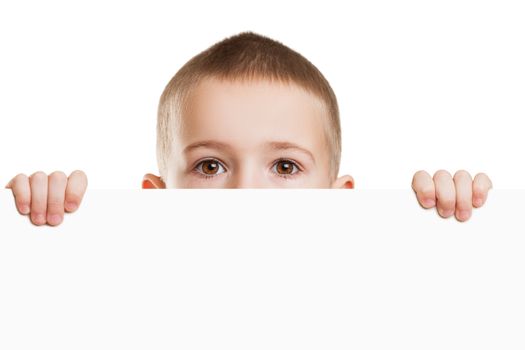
<point x="254" y="111"/>
<point x="246" y="94"/>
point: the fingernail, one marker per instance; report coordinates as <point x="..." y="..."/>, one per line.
<point x="464" y="214"/>
<point x="446" y="213"/>
<point x="71" y="206"/>
<point x="54" y="219"/>
<point x="24" y="209"/>
<point x="39" y="219"/>
<point x="478" y="201"/>
<point x="429" y="202"/>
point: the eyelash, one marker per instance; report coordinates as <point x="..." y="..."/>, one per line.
<point x="288" y="176"/>
<point x="204" y="176"/>
<point x="284" y="176"/>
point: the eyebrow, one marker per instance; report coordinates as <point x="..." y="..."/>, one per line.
<point x="207" y="144"/>
<point x="274" y="145"/>
<point x="278" y="146"/>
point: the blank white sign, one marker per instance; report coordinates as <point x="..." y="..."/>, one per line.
<point x="264" y="269"/>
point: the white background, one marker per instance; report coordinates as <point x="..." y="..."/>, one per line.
<point x="221" y="269"/>
<point x="421" y="84"/>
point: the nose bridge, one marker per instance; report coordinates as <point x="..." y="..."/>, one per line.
<point x="247" y="175"/>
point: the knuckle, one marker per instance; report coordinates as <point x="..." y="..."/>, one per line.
<point x="417" y="177"/>
<point x="420" y="173"/>
<point x="441" y="173"/>
<point x="481" y="175"/>
<point x="19" y="177"/>
<point x="80" y="177"/>
<point x="483" y="178"/>
<point x="79" y="173"/>
<point x="461" y="173"/>
<point x="59" y="175"/>
<point x="38" y="174"/>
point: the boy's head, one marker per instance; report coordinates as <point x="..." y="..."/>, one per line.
<point x="248" y="112"/>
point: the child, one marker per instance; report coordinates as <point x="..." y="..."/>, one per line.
<point x="248" y="112"/>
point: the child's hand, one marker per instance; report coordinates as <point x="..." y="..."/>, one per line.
<point x="47" y="197"/>
<point x="453" y="195"/>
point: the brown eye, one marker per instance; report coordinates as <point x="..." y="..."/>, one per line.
<point x="209" y="167"/>
<point x="285" y="167"/>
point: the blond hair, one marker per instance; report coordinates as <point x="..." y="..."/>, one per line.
<point x="241" y="57"/>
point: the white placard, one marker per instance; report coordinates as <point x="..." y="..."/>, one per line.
<point x="264" y="269"/>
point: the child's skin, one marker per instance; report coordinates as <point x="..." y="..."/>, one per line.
<point x="255" y="134"/>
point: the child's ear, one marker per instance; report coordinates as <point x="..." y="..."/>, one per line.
<point x="345" y="181"/>
<point x="152" y="181"/>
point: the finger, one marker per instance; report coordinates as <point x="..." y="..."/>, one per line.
<point x="480" y="189"/>
<point x="38" y="183"/>
<point x="445" y="193"/>
<point x="76" y="187"/>
<point x="423" y="185"/>
<point x="463" y="184"/>
<point x="57" y="182"/>
<point x="22" y="192"/>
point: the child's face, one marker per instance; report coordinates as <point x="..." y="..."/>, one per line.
<point x="256" y="134"/>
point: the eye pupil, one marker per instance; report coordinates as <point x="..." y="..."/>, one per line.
<point x="210" y="167"/>
<point x="284" y="167"/>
